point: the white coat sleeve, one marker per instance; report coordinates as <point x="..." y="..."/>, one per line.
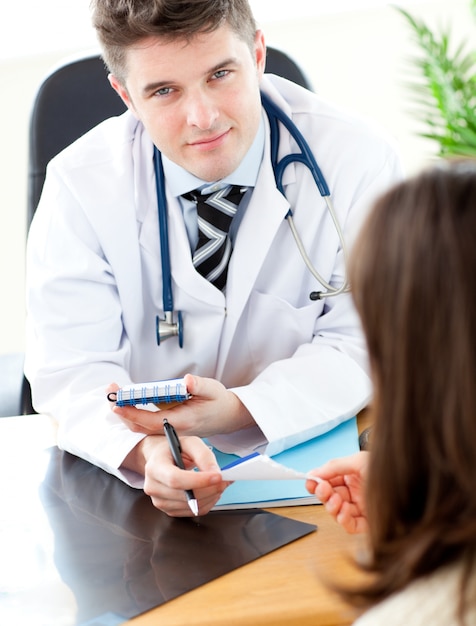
<point x="75" y="340"/>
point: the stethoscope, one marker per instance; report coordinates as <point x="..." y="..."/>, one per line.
<point x="167" y="327"/>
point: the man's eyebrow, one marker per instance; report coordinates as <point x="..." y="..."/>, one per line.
<point x="155" y="86"/>
<point x="151" y="87"/>
<point x="222" y="64"/>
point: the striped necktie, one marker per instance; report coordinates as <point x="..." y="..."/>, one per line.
<point x="215" y="213"/>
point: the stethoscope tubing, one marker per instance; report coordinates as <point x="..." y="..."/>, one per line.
<point x="306" y="157"/>
<point x="276" y="115"/>
<point x="167" y="295"/>
<point x="167" y="327"/>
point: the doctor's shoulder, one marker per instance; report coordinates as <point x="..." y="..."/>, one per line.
<point x="332" y="129"/>
<point x="346" y="126"/>
<point x="355" y="148"/>
<point x="104" y="142"/>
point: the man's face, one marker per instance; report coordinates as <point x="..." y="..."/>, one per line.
<point x="198" y="100"/>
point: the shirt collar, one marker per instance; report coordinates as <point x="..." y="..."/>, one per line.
<point x="181" y="181"/>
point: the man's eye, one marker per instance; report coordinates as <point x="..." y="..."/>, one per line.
<point x="164" y="91"/>
<point x="220" y="74"/>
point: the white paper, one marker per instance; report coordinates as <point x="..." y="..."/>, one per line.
<point x="261" y="467"/>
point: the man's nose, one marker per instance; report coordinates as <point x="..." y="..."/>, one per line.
<point x="202" y="112"/>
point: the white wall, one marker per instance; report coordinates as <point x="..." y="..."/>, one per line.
<point x="356" y="57"/>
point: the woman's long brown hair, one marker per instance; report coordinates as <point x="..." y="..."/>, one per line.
<point x="413" y="276"/>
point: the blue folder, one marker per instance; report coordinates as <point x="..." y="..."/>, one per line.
<point x="340" y="441"/>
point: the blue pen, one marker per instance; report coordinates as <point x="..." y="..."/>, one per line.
<point x="176" y="450"/>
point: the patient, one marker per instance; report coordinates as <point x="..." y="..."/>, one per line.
<point x="413" y="277"/>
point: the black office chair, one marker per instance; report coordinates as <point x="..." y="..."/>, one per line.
<point x="281" y="64"/>
<point x="72" y="99"/>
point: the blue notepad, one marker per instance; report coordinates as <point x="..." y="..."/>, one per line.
<point x="161" y="392"/>
<point x="340" y="441"/>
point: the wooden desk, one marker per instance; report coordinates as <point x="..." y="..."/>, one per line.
<point x="283" y="587"/>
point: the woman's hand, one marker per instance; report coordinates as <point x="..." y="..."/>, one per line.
<point x="341" y="488"/>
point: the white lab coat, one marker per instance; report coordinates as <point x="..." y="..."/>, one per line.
<point x="94" y="286"/>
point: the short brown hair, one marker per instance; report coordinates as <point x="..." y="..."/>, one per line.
<point x="413" y="280"/>
<point x="122" y="23"/>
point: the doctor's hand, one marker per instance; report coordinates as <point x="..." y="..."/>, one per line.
<point x="165" y="483"/>
<point x="211" y="410"/>
<point x="341" y="489"/>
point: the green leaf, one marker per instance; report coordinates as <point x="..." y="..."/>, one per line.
<point x="444" y="87"/>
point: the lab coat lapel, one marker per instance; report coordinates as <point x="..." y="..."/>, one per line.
<point x="263" y="217"/>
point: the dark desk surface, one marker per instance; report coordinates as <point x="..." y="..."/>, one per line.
<point x="282" y="587"/>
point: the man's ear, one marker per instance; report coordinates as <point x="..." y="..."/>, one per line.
<point x="122" y="91"/>
<point x="260" y="52"/>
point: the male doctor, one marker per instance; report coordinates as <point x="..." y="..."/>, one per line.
<point x="267" y="367"/>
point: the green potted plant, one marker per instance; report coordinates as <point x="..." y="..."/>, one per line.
<point x="444" y="88"/>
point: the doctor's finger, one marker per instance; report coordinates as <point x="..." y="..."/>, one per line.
<point x="140" y="420"/>
<point x="174" y="502"/>
<point x="180" y="508"/>
<point x="199" y="453"/>
<point x="203" y="388"/>
<point x="161" y="472"/>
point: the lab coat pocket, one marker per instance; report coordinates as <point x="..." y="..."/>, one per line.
<point x="276" y="329"/>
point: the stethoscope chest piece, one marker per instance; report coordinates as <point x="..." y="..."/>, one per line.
<point x="168" y="328"/>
